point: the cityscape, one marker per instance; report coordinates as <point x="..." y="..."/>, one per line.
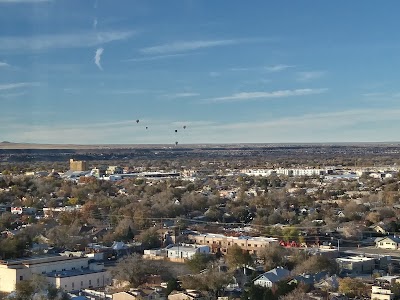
<point x="262" y="227"/>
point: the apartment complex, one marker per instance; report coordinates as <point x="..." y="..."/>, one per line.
<point x="77" y="165"/>
<point x="287" y="172"/>
<point x="219" y="242"/>
<point x="70" y="273"/>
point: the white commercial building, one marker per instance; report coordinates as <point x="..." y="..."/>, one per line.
<point x="187" y="251"/>
<point x="70" y="273"/>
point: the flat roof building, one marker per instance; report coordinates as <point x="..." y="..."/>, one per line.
<point x="219" y="241"/>
<point x="67" y="272"/>
<point x="77" y="165"/>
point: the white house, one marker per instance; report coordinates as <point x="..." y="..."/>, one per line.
<point x="268" y="279"/>
<point x="187" y="251"/>
<point x="388" y="242"/>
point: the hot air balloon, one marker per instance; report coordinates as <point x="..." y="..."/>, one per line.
<point x="137" y="121"/>
<point x="184" y="126"/>
<point x="176" y="130"/>
<point x="147" y="127"/>
<point x="176" y="143"/>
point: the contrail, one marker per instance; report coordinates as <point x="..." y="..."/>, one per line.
<point x="97" y="58"/>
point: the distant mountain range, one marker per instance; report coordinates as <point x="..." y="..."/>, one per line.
<point x="11" y="145"/>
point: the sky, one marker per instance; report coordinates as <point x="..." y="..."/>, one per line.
<point x="231" y="71"/>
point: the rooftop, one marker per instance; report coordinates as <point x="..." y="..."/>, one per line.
<point x="38" y="259"/>
<point x="72" y="273"/>
<point x="355" y="259"/>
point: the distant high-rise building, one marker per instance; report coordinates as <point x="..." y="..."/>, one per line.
<point x="77" y="165"/>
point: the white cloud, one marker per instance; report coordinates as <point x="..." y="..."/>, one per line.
<point x="159" y="57"/>
<point x="191" y="45"/>
<point x="24" y="1"/>
<point x="3" y="64"/>
<point x="13" y="86"/>
<point x="12" y="95"/>
<point x="95" y="23"/>
<point x="306" y="76"/>
<point x="97" y="58"/>
<point x="56" y="41"/>
<point x="181" y="95"/>
<point x="277" y="68"/>
<point x="274" y="94"/>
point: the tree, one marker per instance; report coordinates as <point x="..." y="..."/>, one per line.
<point x="236" y="257"/>
<point x="296" y="295"/>
<point x="352" y="287"/>
<point x="150" y="238"/>
<point x="273" y="256"/>
<point x="315" y="264"/>
<point x="172" y="285"/>
<point x="136" y="270"/>
<point x="39" y="289"/>
<point x="256" y="292"/>
<point x="213" y="281"/>
<point x="199" y="262"/>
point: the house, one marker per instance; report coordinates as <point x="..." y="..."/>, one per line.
<point x="308" y="279"/>
<point x="268" y="279"/>
<point x="330" y="283"/>
<point x="186" y="295"/>
<point x="388" y="242"/>
<point x="379" y="228"/>
<point x="139" y="294"/>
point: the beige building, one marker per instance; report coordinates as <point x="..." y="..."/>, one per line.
<point x="69" y="273"/>
<point x="77" y="165"/>
<point x="186" y="295"/>
<point x="389" y="242"/>
<point x="221" y="242"/>
<point x="139" y="294"/>
<point x="381" y="293"/>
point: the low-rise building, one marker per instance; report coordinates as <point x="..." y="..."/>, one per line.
<point x="381" y="293"/>
<point x="388" y="242"/>
<point x="186" y="251"/>
<point x="140" y="294"/>
<point x="186" y="295"/>
<point x="67" y="272"/>
<point x="268" y="279"/>
<point x="356" y="264"/>
<point x="220" y="242"/>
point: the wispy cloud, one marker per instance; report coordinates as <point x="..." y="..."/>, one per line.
<point x="159" y="57"/>
<point x="183" y="46"/>
<point x="243" y="96"/>
<point x="95" y="23"/>
<point x="181" y="95"/>
<point x="273" y="68"/>
<point x="24" y="1"/>
<point x="13" y="86"/>
<point x="306" y="76"/>
<point x="4" y="64"/>
<point x="12" y="95"/>
<point x="214" y="74"/>
<point x="55" y="41"/>
<point x="278" y="68"/>
<point x="97" y="58"/>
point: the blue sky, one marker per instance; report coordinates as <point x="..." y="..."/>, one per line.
<point x="82" y="71"/>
